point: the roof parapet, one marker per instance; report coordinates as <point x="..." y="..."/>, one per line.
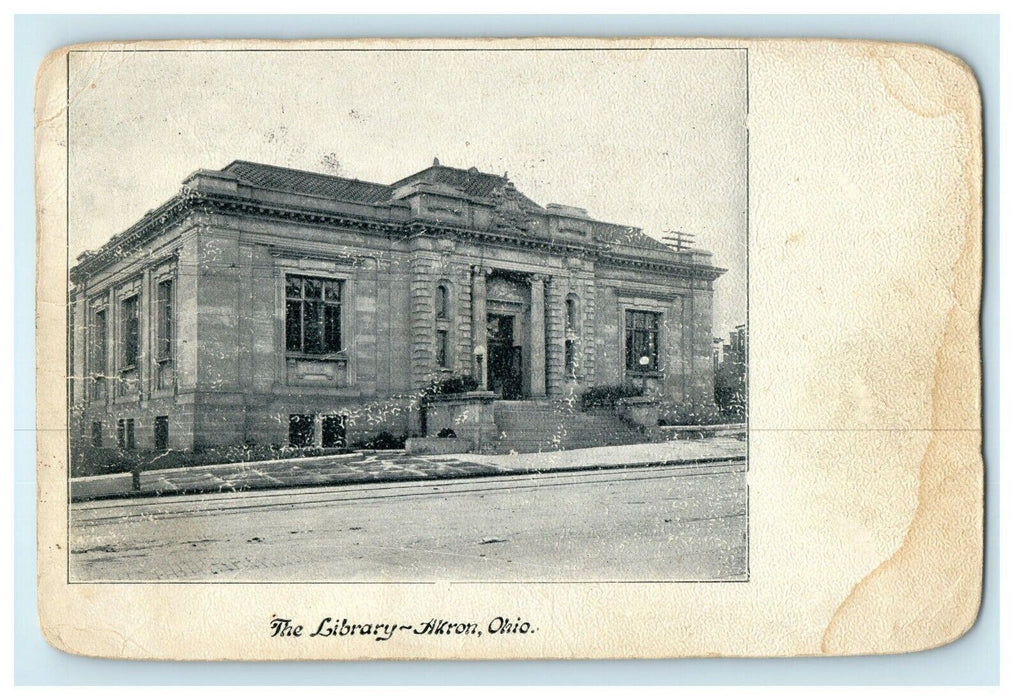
<point x="565" y="210"/>
<point x="212" y="181"/>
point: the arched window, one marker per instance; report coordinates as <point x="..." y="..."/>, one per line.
<point x="572" y="313"/>
<point x="442" y="301"/>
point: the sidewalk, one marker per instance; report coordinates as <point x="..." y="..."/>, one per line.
<point x="389" y="466"/>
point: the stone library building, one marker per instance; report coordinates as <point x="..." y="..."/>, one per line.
<point x="265" y="305"/>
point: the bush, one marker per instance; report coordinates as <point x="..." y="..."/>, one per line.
<point x="606" y="395"/>
<point x="96" y="461"/>
<point x="447" y="433"/>
<point x="384" y="440"/>
<point x="457" y="384"/>
<point x="731" y="402"/>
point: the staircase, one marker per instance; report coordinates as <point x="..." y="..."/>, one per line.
<point x="550" y="425"/>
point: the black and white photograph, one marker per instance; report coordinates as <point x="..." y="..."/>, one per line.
<point x="534" y="348"/>
<point x="393" y="316"/>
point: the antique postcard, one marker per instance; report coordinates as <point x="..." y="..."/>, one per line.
<point x="536" y="348"/>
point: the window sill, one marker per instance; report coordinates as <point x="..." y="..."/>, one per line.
<point x="347" y="391"/>
<point x="650" y="374"/>
<point x="326" y="357"/>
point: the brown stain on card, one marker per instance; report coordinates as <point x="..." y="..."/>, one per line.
<point x="929" y="591"/>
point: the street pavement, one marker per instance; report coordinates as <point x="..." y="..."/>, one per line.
<point x="664" y="522"/>
<point x="394" y="466"/>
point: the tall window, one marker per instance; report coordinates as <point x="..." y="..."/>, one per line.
<point x="441" y="348"/>
<point x="164" y="334"/>
<point x="442" y="301"/>
<point x="443" y="325"/>
<point x="642" y="341"/>
<point x="97" y="354"/>
<point x="98" y="346"/>
<point x="129" y="333"/>
<point x="164" y="320"/>
<point x="571" y="340"/>
<point x="313" y="315"/>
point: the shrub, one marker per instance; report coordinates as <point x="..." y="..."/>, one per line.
<point x="447" y="433"/>
<point x="384" y="440"/>
<point x="96" y="461"/>
<point x="457" y="384"/>
<point x="731" y="402"/>
<point x="606" y="395"/>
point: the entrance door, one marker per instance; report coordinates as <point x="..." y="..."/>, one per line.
<point x="504" y="358"/>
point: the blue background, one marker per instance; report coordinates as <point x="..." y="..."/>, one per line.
<point x="974" y="659"/>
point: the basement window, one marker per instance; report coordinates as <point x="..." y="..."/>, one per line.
<point x="302" y="432"/>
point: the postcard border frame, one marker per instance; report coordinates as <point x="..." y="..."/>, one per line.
<point x="973" y="660"/>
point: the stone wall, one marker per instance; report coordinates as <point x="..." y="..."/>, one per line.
<point x="685" y="374"/>
<point x="232" y="378"/>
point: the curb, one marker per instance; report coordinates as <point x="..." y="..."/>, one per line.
<point x="478" y="471"/>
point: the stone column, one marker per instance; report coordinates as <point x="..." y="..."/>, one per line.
<point x="479" y="337"/>
<point x="556" y="334"/>
<point x="537" y="340"/>
<point x="423" y="316"/>
<point x="80" y="369"/>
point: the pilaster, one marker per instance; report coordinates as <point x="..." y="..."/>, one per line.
<point x="556" y="323"/>
<point x="81" y="322"/>
<point x="537" y="344"/>
<point x="423" y="340"/>
<point x="479" y="339"/>
<point x="461" y="298"/>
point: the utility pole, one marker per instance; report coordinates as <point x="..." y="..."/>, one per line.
<point x="679" y="239"/>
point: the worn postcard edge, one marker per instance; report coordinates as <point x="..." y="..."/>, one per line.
<point x="936" y="507"/>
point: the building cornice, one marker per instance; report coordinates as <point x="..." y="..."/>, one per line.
<point x="191" y="200"/>
<point x="148" y="227"/>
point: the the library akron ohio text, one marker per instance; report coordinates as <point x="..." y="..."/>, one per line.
<point x="268" y="306"/>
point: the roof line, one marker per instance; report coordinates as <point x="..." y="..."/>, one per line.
<point x="452" y="168"/>
<point x="242" y="161"/>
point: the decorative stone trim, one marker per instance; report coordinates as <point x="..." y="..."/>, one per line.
<point x="190" y="200"/>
